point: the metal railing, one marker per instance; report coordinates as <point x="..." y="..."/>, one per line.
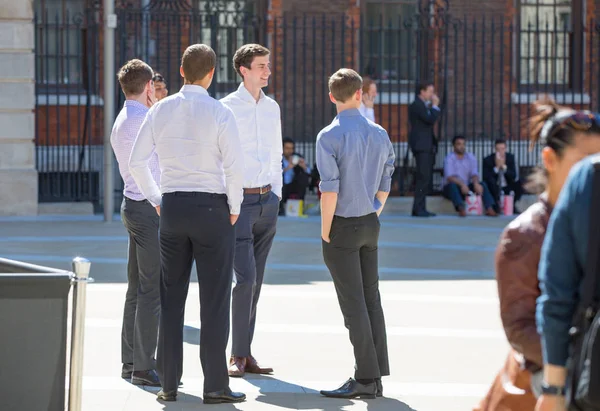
<point x="29" y="279"/>
<point x="487" y="72"/>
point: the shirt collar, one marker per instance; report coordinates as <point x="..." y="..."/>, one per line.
<point x="244" y="94"/>
<point x="135" y="104"/>
<point x="192" y="88"/>
<point x="349" y="112"/>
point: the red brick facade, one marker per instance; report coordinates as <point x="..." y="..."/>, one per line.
<point x="309" y="40"/>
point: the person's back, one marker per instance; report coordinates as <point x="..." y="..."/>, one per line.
<point x="361" y="149"/>
<point x="202" y="171"/>
<point x="356" y="161"/>
<point x="193" y="120"/>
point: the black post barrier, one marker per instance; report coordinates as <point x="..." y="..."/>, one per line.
<point x="33" y="317"/>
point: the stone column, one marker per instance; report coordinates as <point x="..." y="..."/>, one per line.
<point x="18" y="176"/>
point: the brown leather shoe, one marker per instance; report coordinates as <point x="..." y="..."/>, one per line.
<point x="253" y="368"/>
<point x="237" y="367"/>
<point x="462" y="212"/>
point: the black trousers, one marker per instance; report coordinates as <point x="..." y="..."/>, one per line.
<point x="424" y="161"/>
<point x="195" y="226"/>
<point x="351" y="258"/>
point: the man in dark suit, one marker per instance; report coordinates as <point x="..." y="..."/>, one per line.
<point x="500" y="173"/>
<point x="422" y="114"/>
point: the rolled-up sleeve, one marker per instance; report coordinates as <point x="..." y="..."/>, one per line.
<point x="327" y="165"/>
<point x="388" y="170"/>
<point x="449" y="167"/>
<point x="560" y="270"/>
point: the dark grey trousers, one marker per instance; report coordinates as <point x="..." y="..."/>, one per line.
<point x="195" y="226"/>
<point x="351" y="257"/>
<point x="142" y="300"/>
<point x="423" y="178"/>
<point x="254" y="231"/>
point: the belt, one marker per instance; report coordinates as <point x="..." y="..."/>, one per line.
<point x="258" y="190"/>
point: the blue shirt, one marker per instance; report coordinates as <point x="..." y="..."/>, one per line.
<point x="355" y="159"/>
<point x="562" y="263"/>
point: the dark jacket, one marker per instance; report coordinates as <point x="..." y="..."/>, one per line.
<point x="491" y="177"/>
<point x="422" y="119"/>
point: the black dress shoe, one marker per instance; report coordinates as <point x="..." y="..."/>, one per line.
<point x="223" y="396"/>
<point x="167" y="395"/>
<point x="379" y="387"/>
<point x="353" y="389"/>
<point x="126" y="371"/>
<point x="147" y="377"/>
<point x="423" y="213"/>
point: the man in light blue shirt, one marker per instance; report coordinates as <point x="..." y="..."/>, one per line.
<point x="355" y="159"/>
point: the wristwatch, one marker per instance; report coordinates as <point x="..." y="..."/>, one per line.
<point x="552" y="389"/>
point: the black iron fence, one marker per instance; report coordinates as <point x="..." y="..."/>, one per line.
<point x="486" y="72"/>
<point x="68" y="122"/>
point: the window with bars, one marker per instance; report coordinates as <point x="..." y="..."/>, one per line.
<point x="550" y="44"/>
<point x="227" y="26"/>
<point x="60" y="43"/>
<point x="389" y="37"/>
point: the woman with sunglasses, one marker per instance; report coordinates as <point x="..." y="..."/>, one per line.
<point x="566" y="136"/>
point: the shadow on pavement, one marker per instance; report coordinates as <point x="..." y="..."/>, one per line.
<point x="295" y="397"/>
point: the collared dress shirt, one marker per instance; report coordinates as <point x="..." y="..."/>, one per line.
<point x="259" y="124"/>
<point x="198" y="147"/>
<point x="355" y="158"/>
<point x="124" y="131"/>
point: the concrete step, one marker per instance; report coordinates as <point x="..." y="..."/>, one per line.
<point x="74" y="208"/>
<point x="403" y="205"/>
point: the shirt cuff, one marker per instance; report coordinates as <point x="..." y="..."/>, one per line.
<point x="155" y="200"/>
<point x="386" y="184"/>
<point x="435" y="108"/>
<point x="329" y="186"/>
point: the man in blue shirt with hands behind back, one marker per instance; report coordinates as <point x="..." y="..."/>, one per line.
<point x="355" y="159"/>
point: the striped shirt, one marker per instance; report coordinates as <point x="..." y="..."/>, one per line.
<point x="124" y="131"/>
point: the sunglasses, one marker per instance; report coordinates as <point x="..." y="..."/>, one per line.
<point x="577" y="120"/>
<point x="159" y="78"/>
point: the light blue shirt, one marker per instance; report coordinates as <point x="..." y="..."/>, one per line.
<point x="355" y="159"/>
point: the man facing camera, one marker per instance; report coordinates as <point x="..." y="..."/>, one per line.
<point x="500" y="173"/>
<point x="259" y="119"/>
<point x="462" y="177"/>
<point x="356" y="160"/>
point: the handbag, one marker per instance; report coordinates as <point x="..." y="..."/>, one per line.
<point x="583" y="366"/>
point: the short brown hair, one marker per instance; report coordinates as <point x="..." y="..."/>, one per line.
<point x="244" y="56"/>
<point x="197" y="61"/>
<point x="134" y="76"/>
<point x="344" y="83"/>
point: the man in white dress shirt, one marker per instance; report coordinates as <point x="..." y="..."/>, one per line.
<point x="142" y="300"/>
<point x="259" y="121"/>
<point x="202" y="165"/>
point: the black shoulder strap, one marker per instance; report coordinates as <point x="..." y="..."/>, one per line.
<point x="590" y="295"/>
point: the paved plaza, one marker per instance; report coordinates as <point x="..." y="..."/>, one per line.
<point x="440" y="300"/>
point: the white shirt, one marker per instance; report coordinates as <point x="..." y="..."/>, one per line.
<point x="367" y="112"/>
<point x="198" y="147"/>
<point x="260" y="135"/>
